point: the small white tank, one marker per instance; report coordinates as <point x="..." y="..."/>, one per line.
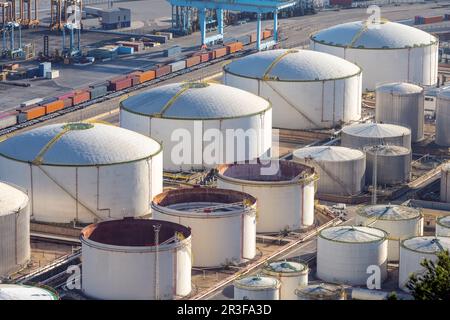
<point x="443" y="118"/>
<point x="321" y="291"/>
<point x="443" y="226"/>
<point x="445" y="183"/>
<point x="257" y="288"/>
<point x="22" y="292"/>
<point x="291" y="275"/>
<point x="413" y="251"/>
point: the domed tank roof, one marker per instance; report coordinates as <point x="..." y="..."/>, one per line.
<point x="328" y="153"/>
<point x="202" y="101"/>
<point x="79" y="144"/>
<point x="427" y="244"/>
<point x="387" y="150"/>
<point x="444" y="93"/>
<point x="361" y="35"/>
<point x="257" y="283"/>
<point x="320" y="290"/>
<point x="286" y="267"/>
<point x="21" y="292"/>
<point x="390" y="212"/>
<point x="444" y="221"/>
<point x="376" y="130"/>
<point x="399" y="88"/>
<point x="292" y="65"/>
<point x="11" y="199"/>
<point x="353" y="234"/>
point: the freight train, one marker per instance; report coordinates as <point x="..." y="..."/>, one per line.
<point x="38" y="108"/>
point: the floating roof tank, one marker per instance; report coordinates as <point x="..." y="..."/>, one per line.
<point x="443" y="226"/>
<point x="321" y="291"/>
<point x="83" y="171"/>
<point x="190" y="115"/>
<point x="222" y="221"/>
<point x="308" y="90"/>
<point x="401" y="52"/>
<point x="362" y="135"/>
<point x="402" y="104"/>
<point x="122" y="259"/>
<point x="341" y="170"/>
<point x="14" y="229"/>
<point x="284" y="189"/>
<point x="400" y="222"/>
<point x="345" y="252"/>
<point x="22" y="292"/>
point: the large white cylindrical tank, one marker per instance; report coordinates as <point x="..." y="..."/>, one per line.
<point x="83" y="171"/>
<point x="257" y="288"/>
<point x="393" y="164"/>
<point x="443" y="118"/>
<point x="22" y="292"/>
<point x="308" y="90"/>
<point x="128" y="260"/>
<point x="14" y="229"/>
<point x="321" y="291"/>
<point x="341" y="170"/>
<point x="291" y="274"/>
<point x="401" y="52"/>
<point x="223" y="222"/>
<point x="400" y="222"/>
<point x="445" y="183"/>
<point x="403" y="104"/>
<point x="413" y="251"/>
<point x="201" y="125"/>
<point x="344" y="254"/>
<point x="361" y="135"/>
<point x="284" y="189"/>
<point x="443" y="226"/>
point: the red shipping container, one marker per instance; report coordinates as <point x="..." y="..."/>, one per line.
<point x="120" y="84"/>
<point x="192" y="61"/>
<point x="80" y="97"/>
<point x="433" y="19"/>
<point x="163" y="70"/>
<point x="204" y="57"/>
<point x="212" y="55"/>
<point x="220" y="52"/>
<point x="66" y="95"/>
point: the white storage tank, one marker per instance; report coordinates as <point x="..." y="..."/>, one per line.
<point x="361" y="135"/>
<point x="321" y="291"/>
<point x="445" y="183"/>
<point x="400" y="222"/>
<point x="401" y="52"/>
<point x="14" y="229"/>
<point x="341" y="170"/>
<point x="222" y="221"/>
<point x="257" y="288"/>
<point x="122" y="259"/>
<point x="443" y="118"/>
<point x="308" y="90"/>
<point x="201" y="125"/>
<point x="413" y="251"/>
<point x="344" y="254"/>
<point x="443" y="226"/>
<point x="393" y="164"/>
<point x="284" y="189"/>
<point x="291" y="275"/>
<point x="403" y="104"/>
<point x="83" y="171"/>
<point x="23" y="292"/>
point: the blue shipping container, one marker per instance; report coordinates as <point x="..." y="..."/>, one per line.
<point x="125" y="50"/>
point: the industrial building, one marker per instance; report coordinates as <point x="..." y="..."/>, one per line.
<point x="115" y="18"/>
<point x="83" y="172"/>
<point x="307" y="89"/>
<point x="14" y="229"/>
<point x="196" y="113"/>
<point x="285" y="198"/>
<point x="402" y="53"/>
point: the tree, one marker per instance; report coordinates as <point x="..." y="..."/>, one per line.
<point x="434" y="283"/>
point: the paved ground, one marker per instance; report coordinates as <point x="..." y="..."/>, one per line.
<point x="295" y="30"/>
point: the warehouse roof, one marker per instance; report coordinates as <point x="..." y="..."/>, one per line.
<point x="328" y="153"/>
<point x="399" y="88"/>
<point x="427" y="244"/>
<point x="11" y="199"/>
<point x="390" y="212"/>
<point x="353" y="234"/>
<point x="376" y="130"/>
<point x="359" y="34"/>
<point x="79" y="144"/>
<point x="201" y="101"/>
<point x="292" y="65"/>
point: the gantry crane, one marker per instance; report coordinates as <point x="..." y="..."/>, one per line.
<point x="62" y="11"/>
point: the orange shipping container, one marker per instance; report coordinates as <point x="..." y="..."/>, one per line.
<point x="266" y="34"/>
<point x="220" y="52"/>
<point x="253" y="37"/>
<point x="147" y="75"/>
<point x="192" y="61"/>
<point x="54" y="106"/>
<point x="239" y="46"/>
<point x="80" y="97"/>
<point x="34" y="113"/>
